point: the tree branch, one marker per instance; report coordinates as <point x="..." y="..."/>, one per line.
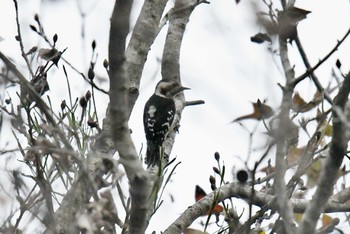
<point x="119" y="115"/>
<point x="171" y="57"/>
<point x="19" y="39"/>
<point x="310" y="70"/>
<point x="82" y="188"/>
<point x="282" y="143"/>
<point x="242" y="191"/>
<point x="329" y="173"/>
<point x="143" y="36"/>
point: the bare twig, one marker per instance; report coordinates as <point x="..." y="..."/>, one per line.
<point x="311" y="73"/>
<point x="19" y="39"/>
<point x="41" y="33"/>
<point x="40" y="103"/>
<point x="310" y="69"/>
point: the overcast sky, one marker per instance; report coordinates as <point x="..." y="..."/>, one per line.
<point x="218" y="63"/>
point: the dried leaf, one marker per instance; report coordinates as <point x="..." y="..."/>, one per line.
<point x="268" y="169"/>
<point x="52" y="55"/>
<point x="288" y="21"/>
<point x="300" y="105"/>
<point x="199" y="194"/>
<point x="260" y="38"/>
<point x="261" y="111"/>
<point x="326" y="220"/>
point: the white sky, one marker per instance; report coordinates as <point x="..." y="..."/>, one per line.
<point x="218" y="62"/>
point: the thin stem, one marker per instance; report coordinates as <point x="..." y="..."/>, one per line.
<point x="19" y="39"/>
<point x="310" y="69"/>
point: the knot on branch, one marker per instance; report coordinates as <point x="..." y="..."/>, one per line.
<point x="133" y="90"/>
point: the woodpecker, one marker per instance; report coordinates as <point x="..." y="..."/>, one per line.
<point x="158" y="117"/>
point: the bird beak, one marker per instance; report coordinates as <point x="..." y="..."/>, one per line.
<point x="179" y="89"/>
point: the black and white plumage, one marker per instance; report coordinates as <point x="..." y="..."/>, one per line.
<point x="158" y="117"/>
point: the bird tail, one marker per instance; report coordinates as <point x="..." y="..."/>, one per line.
<point x="152" y="154"/>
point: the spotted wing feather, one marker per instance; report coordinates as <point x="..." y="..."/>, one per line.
<point x="158" y="117"/>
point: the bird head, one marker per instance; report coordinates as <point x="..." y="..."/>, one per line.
<point x="168" y="88"/>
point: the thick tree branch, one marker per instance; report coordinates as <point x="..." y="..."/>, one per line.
<point x="143" y="36"/>
<point x="342" y="196"/>
<point x="125" y="75"/>
<point x="282" y="142"/>
<point x="329" y="173"/>
<point x="178" y="20"/>
<point x="242" y="191"/>
<point x="74" y="200"/>
<point x="119" y="115"/>
<point x="201" y="207"/>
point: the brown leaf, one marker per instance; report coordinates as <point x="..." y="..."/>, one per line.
<point x="268" y="169"/>
<point x="52" y="55"/>
<point x="199" y="194"/>
<point x="261" y="111"/>
<point x="300" y="105"/>
<point x="288" y="21"/>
